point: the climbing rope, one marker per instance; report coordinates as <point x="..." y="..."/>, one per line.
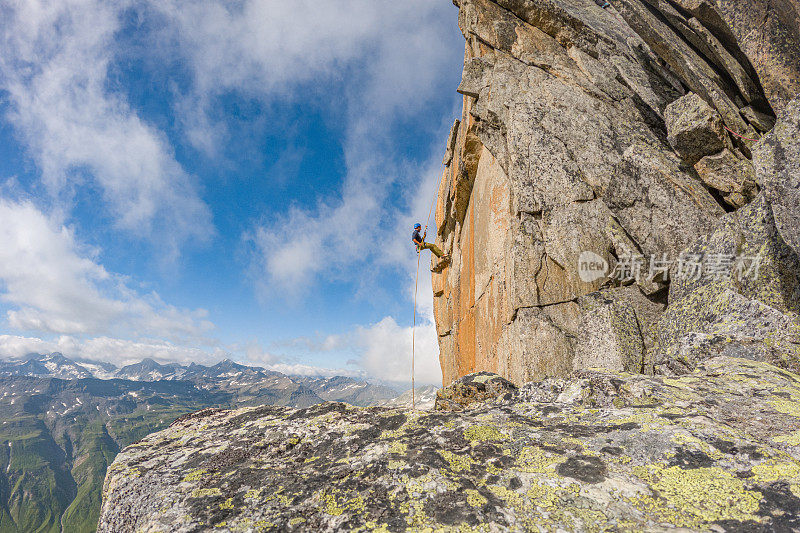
<point x="413" y="335"/>
<point x="416" y="286"/>
<point x="605" y="5"/>
<point x="740" y="136"/>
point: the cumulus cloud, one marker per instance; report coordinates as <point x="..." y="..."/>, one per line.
<point x="53" y="284"/>
<point x="124" y="352"/>
<point x="396" y="58"/>
<point x="382" y="350"/>
<point x="55" y="71"/>
<point x="271" y="46"/>
<point x="385" y="347"/>
<point x="400" y="73"/>
<point x="12" y="346"/>
<point x="253" y="352"/>
<point x="386" y="352"/>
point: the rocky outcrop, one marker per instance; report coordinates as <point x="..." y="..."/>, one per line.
<point x="777" y="159"/>
<point x="714" y="450"/>
<point x="764" y="33"/>
<point x="472" y="389"/>
<point x="613" y="141"/>
<point x="742" y="309"/>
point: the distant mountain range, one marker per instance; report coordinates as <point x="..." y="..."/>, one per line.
<point x="63" y="420"/>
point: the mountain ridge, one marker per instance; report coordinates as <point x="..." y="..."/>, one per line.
<point x="64" y="421"/>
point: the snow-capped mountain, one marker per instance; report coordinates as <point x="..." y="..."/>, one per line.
<point x="53" y="365"/>
<point x="150" y="370"/>
<point x="252" y="385"/>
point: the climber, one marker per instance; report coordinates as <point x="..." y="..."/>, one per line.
<point x="419" y="242"/>
<point x="602" y="3"/>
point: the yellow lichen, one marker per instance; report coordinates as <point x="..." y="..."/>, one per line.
<point x="333" y="507"/>
<point x="533" y="459"/>
<point x="398" y="447"/>
<point x="475" y="499"/>
<point x="195" y="475"/>
<point x="679" y="383"/>
<point x="691" y="441"/>
<point x="483" y="433"/>
<point x="374" y="527"/>
<point x="203" y="493"/>
<point x="792" y="439"/>
<point x="253" y="493"/>
<point x="227" y="504"/>
<point x="695" y="497"/>
<point x="789" y="407"/>
<point x="457" y="462"/>
<point x="774" y="470"/>
<point x="514" y="499"/>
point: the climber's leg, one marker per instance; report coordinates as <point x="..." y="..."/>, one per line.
<point x="442" y="264"/>
<point x="433" y="248"/>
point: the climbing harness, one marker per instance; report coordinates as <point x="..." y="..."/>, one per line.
<point x="416" y="286"/>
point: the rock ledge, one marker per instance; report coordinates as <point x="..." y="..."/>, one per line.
<point x="717" y="449"/>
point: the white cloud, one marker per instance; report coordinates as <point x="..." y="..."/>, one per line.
<point x="386" y="352"/>
<point x="55" y="285"/>
<point x="253" y="352"/>
<point x="405" y="53"/>
<point x="12" y="346"/>
<point x="298" y="369"/>
<point x="55" y="69"/>
<point x="117" y="351"/>
<point x="395" y="58"/>
<point x="380" y="351"/>
<point x="269" y="46"/>
<point x="124" y="352"/>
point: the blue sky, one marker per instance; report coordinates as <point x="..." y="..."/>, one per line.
<point x="191" y="181"/>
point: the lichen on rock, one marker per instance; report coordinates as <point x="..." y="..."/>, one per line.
<point x="631" y="131"/>
<point x="715" y="449"/>
<point x="472" y="389"/>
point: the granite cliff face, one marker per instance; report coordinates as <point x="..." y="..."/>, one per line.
<point x="621" y="132"/>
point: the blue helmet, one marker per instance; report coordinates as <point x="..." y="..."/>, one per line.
<point x="417" y="226"/>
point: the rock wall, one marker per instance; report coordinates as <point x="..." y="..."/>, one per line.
<point x="621" y="132"/>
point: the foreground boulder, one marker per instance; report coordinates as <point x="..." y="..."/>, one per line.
<point x="717" y="449"/>
<point x="472" y="389"/>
